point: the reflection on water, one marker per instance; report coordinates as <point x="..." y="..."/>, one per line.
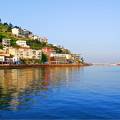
<point x="60" y="93"/>
<point x="18" y="85"/>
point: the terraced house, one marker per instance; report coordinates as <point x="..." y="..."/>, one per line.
<point x="25" y="53"/>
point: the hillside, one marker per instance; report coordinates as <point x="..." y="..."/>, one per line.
<point x="6" y="32"/>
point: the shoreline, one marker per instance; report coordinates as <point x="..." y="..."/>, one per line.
<point x="12" y="66"/>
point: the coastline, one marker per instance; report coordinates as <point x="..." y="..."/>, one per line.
<point x="14" y="66"/>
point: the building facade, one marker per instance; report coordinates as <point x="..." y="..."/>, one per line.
<point x="21" y="32"/>
<point x="6" y="42"/>
<point x="25" y="53"/>
<point x="16" y="31"/>
<point x="60" y="58"/>
<point x="22" y="43"/>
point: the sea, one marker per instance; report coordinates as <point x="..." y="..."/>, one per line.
<point x="64" y="93"/>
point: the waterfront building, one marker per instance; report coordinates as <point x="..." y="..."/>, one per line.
<point x="60" y="58"/>
<point x="5" y="58"/>
<point x="16" y="60"/>
<point x="25" y="53"/>
<point x="76" y="57"/>
<point x="2" y="58"/>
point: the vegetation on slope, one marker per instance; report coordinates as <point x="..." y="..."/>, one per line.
<point x="6" y="32"/>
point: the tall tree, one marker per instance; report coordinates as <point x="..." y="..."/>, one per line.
<point x="10" y="25"/>
<point x="44" y="58"/>
<point x="0" y="21"/>
<point x="6" y="24"/>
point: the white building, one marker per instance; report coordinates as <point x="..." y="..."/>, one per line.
<point x="2" y="58"/>
<point x="66" y="56"/>
<point x="26" y="33"/>
<point x="25" y="53"/>
<point x="43" y="39"/>
<point x="16" y="31"/>
<point x="21" y="32"/>
<point x="40" y="39"/>
<point x="6" y="42"/>
<point x="35" y="37"/>
<point x="15" y="59"/>
<point x="60" y="58"/>
<point x="22" y="43"/>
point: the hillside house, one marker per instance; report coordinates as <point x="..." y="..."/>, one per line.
<point x="22" y="43"/>
<point x="6" y="42"/>
<point x="21" y="32"/>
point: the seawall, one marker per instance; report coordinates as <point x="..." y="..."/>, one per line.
<point x="13" y="66"/>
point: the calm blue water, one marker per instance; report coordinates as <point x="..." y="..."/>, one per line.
<point x="60" y="93"/>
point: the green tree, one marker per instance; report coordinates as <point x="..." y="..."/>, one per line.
<point x="35" y="44"/>
<point x="10" y="26"/>
<point x="13" y="42"/>
<point x="5" y="24"/>
<point x="1" y="47"/>
<point x="82" y="60"/>
<point x="44" y="58"/>
<point x="1" y="36"/>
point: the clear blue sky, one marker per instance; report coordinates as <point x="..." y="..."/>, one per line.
<point x="89" y="27"/>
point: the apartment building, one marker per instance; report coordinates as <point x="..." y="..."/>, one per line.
<point x="25" y="53"/>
